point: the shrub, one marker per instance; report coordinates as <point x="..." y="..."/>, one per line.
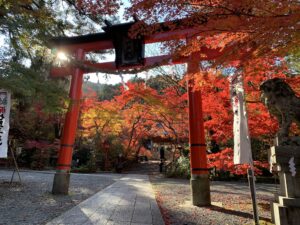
<point x="179" y="168"/>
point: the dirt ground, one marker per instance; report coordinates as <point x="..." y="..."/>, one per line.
<point x="231" y="202"/>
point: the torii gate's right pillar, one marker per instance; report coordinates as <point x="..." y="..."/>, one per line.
<point x="200" y="184"/>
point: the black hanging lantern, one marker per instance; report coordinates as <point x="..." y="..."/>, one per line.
<point x="129" y="51"/>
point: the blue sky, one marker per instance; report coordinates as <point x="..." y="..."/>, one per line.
<point x="113" y="79"/>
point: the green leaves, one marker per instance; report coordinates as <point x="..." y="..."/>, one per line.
<point x="30" y="85"/>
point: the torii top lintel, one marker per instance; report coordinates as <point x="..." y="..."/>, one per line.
<point x="103" y="40"/>
<point x="132" y="55"/>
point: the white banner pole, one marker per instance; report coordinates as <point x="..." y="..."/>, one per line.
<point x="242" y="143"/>
<point x="251" y="180"/>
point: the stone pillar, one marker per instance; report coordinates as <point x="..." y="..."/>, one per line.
<point x="286" y="206"/>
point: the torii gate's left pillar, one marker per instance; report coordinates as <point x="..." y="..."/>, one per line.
<point x="62" y="176"/>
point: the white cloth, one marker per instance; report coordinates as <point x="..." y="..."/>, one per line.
<point x="5" y="104"/>
<point x="242" y="144"/>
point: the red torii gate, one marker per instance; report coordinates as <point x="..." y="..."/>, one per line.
<point x="115" y="36"/>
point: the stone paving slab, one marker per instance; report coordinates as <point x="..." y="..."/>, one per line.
<point x="129" y="201"/>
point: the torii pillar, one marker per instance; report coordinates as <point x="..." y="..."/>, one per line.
<point x="62" y="176"/>
<point x="200" y="184"/>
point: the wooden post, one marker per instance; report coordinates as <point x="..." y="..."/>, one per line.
<point x="62" y="175"/>
<point x="16" y="169"/>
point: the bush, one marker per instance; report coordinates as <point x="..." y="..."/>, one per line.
<point x="179" y="168"/>
<point x="85" y="169"/>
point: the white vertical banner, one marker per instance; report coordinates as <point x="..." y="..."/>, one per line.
<point x="242" y="144"/>
<point x="5" y="103"/>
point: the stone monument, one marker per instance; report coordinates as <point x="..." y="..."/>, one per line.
<point x="284" y="156"/>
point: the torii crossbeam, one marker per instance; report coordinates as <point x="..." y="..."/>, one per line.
<point x="129" y="54"/>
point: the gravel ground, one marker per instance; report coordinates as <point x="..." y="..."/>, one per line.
<point x="32" y="201"/>
<point x="231" y="202"/>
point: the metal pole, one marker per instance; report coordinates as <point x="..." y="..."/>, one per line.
<point x="251" y="180"/>
<point x="199" y="172"/>
<point x="62" y="175"/>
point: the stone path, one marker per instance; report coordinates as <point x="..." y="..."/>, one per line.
<point x="129" y="201"/>
<point x="145" y="167"/>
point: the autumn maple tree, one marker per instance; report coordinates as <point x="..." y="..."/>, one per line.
<point x="243" y="28"/>
<point x="138" y="113"/>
